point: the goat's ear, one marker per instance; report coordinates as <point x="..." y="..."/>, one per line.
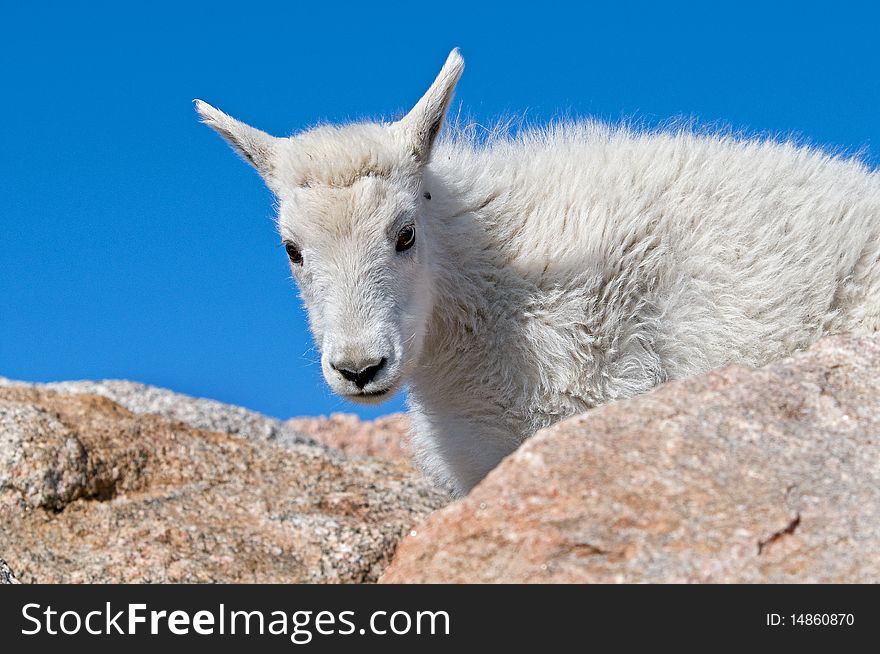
<point x="423" y="122"/>
<point x="255" y="146"/>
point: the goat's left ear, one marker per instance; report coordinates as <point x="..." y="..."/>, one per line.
<point x="423" y="122"/>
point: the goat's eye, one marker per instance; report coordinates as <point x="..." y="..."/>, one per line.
<point x="406" y="237"/>
<point x="294" y="253"/>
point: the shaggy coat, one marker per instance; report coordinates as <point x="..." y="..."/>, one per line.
<point x="561" y="268"/>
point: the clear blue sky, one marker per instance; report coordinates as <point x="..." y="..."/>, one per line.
<point x="136" y="245"/>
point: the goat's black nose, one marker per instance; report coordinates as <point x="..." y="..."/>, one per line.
<point x="360" y="377"/>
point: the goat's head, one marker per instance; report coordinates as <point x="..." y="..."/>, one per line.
<point x="350" y="204"/>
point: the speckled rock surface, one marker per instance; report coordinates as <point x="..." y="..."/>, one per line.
<point x="91" y="492"/>
<point x="195" y="412"/>
<point x="741" y="475"/>
<point x="6" y="574"/>
<point x="385" y="438"/>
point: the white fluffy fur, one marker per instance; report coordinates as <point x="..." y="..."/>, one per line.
<point x="562" y="268"/>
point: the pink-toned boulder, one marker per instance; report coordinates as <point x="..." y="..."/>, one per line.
<point x="740" y="475"/>
<point x="384" y="438"/>
<point x="91" y="491"/>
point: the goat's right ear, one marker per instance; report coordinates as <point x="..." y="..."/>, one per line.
<point x="423" y="122"/>
<point x="255" y="146"/>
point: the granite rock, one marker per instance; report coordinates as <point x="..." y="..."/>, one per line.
<point x="384" y="438"/>
<point x="93" y="492"/>
<point x="738" y="475"/>
<point x="6" y="574"/>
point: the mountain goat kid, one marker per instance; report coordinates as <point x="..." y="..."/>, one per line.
<point x="517" y="281"/>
